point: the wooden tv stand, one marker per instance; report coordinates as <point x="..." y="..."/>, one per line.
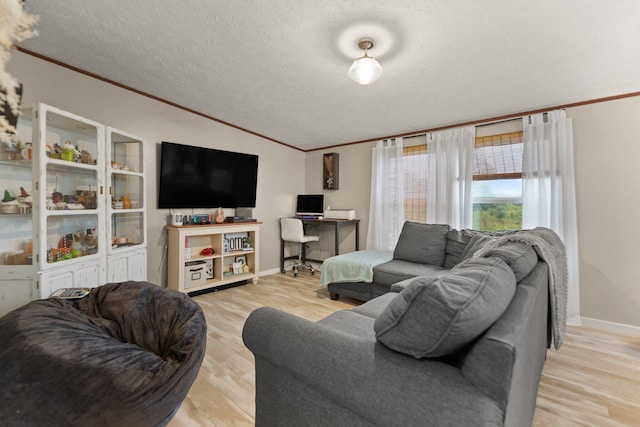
<point x="226" y="240"/>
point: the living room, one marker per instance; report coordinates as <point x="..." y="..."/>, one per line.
<point x="607" y="290"/>
<point x="606" y="131"/>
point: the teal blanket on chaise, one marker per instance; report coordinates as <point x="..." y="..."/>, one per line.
<point x="352" y="267"/>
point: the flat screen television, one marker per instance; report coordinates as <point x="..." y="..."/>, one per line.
<point x="197" y="177"/>
<point x="310" y="204"/>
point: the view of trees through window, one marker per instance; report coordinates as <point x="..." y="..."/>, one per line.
<point x="497" y="216"/>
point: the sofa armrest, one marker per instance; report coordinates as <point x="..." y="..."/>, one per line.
<point x="507" y="362"/>
<point x="379" y="385"/>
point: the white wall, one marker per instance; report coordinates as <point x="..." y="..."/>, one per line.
<point x="352" y="193"/>
<point x="607" y="162"/>
<point x="155" y="122"/>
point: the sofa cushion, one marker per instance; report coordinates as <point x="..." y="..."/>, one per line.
<point x="518" y="255"/>
<point x="422" y="243"/>
<point x="435" y="316"/>
<point x="457" y="241"/>
<point x="394" y="271"/>
<point x="476" y="243"/>
<point x="374" y="307"/>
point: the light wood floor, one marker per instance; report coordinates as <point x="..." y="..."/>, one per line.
<point x="593" y="380"/>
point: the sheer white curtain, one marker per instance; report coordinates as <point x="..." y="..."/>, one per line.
<point x="450" y="154"/>
<point x="386" y="209"/>
<point x="548" y="189"/>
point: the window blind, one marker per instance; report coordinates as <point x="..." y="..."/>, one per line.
<point x="415" y="166"/>
<point x="498" y="156"/>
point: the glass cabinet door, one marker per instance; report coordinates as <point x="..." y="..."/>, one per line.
<point x="16" y="194"/>
<point x="69" y="187"/>
<point x="17" y="271"/>
<point x="127" y="193"/>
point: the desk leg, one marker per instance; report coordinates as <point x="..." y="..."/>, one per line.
<point x="337" y="243"/>
<point x="282" y="255"/>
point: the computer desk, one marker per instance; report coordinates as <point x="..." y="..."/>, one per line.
<point x="337" y="224"/>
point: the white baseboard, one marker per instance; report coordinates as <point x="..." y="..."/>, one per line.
<point x="268" y="272"/>
<point x="612" y="326"/>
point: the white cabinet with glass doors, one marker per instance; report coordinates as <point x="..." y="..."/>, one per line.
<point x="75" y="213"/>
<point x="68" y="200"/>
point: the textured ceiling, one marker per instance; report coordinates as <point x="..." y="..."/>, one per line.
<point x="279" y="68"/>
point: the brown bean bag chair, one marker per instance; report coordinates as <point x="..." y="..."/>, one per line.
<point x="125" y="355"/>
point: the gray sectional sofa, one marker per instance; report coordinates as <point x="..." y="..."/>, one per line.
<point x="422" y="249"/>
<point x="464" y="346"/>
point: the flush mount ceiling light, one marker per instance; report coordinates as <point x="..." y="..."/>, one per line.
<point x="365" y="70"/>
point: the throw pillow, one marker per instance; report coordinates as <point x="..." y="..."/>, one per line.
<point x="519" y="256"/>
<point x="457" y="241"/>
<point x="476" y="243"/>
<point x="435" y="316"/>
<point x="422" y="243"/>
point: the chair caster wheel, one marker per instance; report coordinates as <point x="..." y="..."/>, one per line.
<point x="313" y="272"/>
<point x="284" y="271"/>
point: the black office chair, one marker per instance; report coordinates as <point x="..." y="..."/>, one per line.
<point x="292" y="231"/>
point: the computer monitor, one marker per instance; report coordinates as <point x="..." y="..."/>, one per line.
<point x="310" y="204"/>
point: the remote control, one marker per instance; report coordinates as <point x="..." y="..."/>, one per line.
<point x="70" y="293"/>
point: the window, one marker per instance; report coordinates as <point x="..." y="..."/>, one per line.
<point x="497" y="182"/>
<point x="414" y="165"/>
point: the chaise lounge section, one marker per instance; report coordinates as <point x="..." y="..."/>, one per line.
<point x="422" y="250"/>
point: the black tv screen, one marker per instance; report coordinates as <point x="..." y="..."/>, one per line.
<point x="196" y="177"/>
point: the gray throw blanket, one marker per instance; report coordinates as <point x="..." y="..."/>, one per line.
<point x="551" y="250"/>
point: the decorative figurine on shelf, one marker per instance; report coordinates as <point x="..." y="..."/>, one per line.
<point x="85" y="157"/>
<point x="247" y="244"/>
<point x="219" y="217"/>
<point x="68" y="152"/>
<point x="126" y="202"/>
<point x="7" y="196"/>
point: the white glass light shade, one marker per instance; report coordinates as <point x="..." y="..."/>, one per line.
<point x="365" y="70"/>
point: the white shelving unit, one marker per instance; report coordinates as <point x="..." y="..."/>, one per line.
<point x="127" y="207"/>
<point x="64" y="236"/>
<point x="196" y="272"/>
<point x="68" y="200"/>
<point x="17" y="273"/>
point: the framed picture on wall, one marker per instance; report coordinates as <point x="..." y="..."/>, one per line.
<point x="330" y="171"/>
